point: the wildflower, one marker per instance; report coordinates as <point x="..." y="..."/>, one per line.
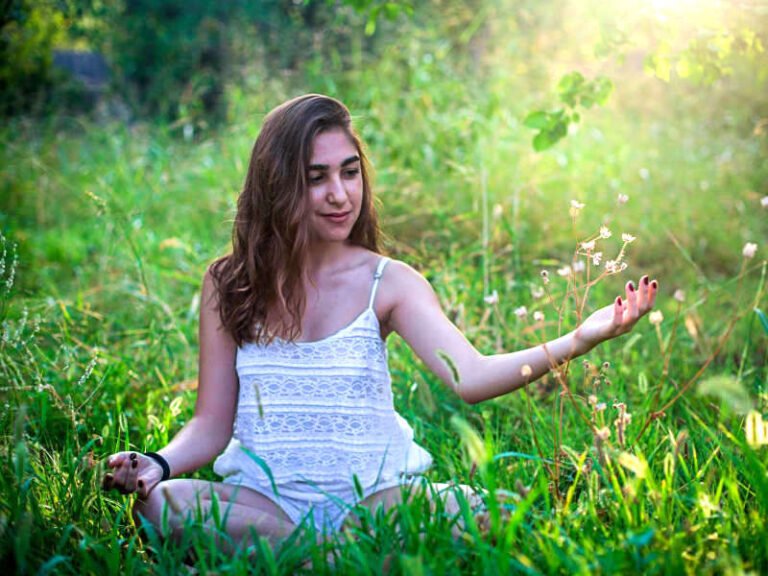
<point x="588" y="246"/>
<point x="622" y="421"/>
<point x="526" y="371"/>
<point x="679" y="295"/>
<point x="576" y="207"/>
<point x="537" y="292"/>
<point x="644" y="173"/>
<point x="656" y="317"/>
<point x="492" y="298"/>
<point x="592" y="399"/>
<point x="764" y="201"/>
<point x="749" y="250"/>
<point x="600" y="406"/>
<point x="611" y="266"/>
<point x="606" y="365"/>
<point x="596" y="257"/>
<point x="545" y="276"/>
<point x="579" y="266"/>
<point x="564" y="271"/>
<point x="585" y="364"/>
<point x="627" y="238"/>
<point x="603" y="434"/>
<point x="538" y="316"/>
<point x="605" y="232"/>
<point x="498" y="211"/>
<point x="622" y="199"/>
<point x="521" y="312"/>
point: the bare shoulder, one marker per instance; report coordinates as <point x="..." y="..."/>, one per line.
<point x="402" y="286"/>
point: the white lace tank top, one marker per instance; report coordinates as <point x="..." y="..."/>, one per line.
<point x="317" y="413"/>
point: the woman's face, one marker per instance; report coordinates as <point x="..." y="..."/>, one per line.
<point x="335" y="184"/>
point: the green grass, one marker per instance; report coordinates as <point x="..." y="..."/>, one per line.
<point x="114" y="226"/>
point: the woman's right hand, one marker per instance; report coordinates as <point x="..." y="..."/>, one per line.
<point x="132" y="472"/>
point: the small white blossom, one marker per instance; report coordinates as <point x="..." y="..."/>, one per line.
<point x="605" y="232"/>
<point x="526" y="371"/>
<point x="596" y="257"/>
<point x="545" y="276"/>
<point x="611" y="266"/>
<point x="600" y="406"/>
<point x="564" y="271"/>
<point x="537" y="292"/>
<point x="592" y="399"/>
<point x="656" y="317"/>
<point x="679" y="295"/>
<point x="579" y="266"/>
<point x="576" y="207"/>
<point x="492" y="298"/>
<point x="588" y="246"/>
<point x="764" y="201"/>
<point x="749" y="250"/>
<point x="538" y="316"/>
<point x="521" y="312"/>
<point x="627" y="238"/>
<point x="622" y="199"/>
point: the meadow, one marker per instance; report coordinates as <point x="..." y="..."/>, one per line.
<point x="648" y="456"/>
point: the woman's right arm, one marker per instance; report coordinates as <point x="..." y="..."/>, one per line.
<point x="210" y="428"/>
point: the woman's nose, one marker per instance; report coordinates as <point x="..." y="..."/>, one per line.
<point x="336" y="192"/>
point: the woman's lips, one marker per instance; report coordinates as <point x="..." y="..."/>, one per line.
<point x="337" y="217"/>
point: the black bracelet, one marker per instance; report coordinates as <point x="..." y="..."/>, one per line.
<point x="163" y="464"/>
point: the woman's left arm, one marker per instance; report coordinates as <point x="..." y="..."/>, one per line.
<point x="415" y="313"/>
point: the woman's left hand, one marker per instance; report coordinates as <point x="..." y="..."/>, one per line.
<point x="618" y="318"/>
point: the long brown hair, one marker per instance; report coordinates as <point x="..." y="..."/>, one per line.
<point x="262" y="278"/>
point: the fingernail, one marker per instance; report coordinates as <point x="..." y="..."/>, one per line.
<point x="654" y="284"/>
<point x="631" y="287"/>
<point x="141" y="483"/>
<point x="134" y="463"/>
<point x="133" y="456"/>
<point x="618" y="299"/>
<point x="645" y="280"/>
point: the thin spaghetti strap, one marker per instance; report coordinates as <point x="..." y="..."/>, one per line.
<point x="376" y="277"/>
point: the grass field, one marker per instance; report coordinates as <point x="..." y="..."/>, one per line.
<point x="107" y="231"/>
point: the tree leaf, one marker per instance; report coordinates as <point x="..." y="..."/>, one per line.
<point x="538" y="120"/>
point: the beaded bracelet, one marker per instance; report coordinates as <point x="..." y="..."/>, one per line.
<point x="163" y="464"/>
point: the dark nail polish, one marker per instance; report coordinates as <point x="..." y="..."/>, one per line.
<point x="134" y="464"/>
<point x="631" y="287"/>
<point x="141" y="483"/>
<point x="619" y="300"/>
<point x="645" y="280"/>
<point x="133" y="456"/>
<point x="654" y="284"/>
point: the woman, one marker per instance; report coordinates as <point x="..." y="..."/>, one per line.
<point x="293" y="359"/>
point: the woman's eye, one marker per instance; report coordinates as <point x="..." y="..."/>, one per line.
<point x="352" y="172"/>
<point x="315" y="178"/>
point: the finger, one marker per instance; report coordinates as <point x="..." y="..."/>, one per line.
<point x="121" y="476"/>
<point x="106" y="483"/>
<point x="642" y="295"/>
<point x="631" y="301"/>
<point x="618" y="311"/>
<point x="132" y="475"/>
<point x="652" y="292"/>
<point x="116" y="460"/>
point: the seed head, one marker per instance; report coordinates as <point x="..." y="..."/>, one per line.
<point x="492" y="298"/>
<point x="627" y="238"/>
<point x="538" y="316"/>
<point x="622" y="199"/>
<point x="679" y="295"/>
<point x="545" y="276"/>
<point x="605" y="232"/>
<point x="656" y="317"/>
<point x="521" y="312"/>
<point x="526" y="371"/>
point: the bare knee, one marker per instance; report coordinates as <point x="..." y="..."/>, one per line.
<point x="159" y="506"/>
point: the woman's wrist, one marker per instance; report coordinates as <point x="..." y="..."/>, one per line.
<point x="163" y="464"/>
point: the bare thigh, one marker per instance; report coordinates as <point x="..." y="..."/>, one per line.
<point x="234" y="510"/>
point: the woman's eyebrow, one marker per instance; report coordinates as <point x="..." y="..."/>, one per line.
<point x="345" y="162"/>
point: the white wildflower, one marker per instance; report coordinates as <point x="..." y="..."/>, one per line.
<point x="576" y="207"/>
<point x="656" y="317"/>
<point x="538" y="316"/>
<point x="749" y="250"/>
<point x="611" y="266"/>
<point x="526" y="371"/>
<point x="521" y="312"/>
<point x="564" y="271"/>
<point x="627" y="238"/>
<point x="492" y="298"/>
<point x="679" y="295"/>
<point x="622" y="199"/>
<point x="537" y="292"/>
<point x="596" y="257"/>
<point x="605" y="232"/>
<point x="600" y="406"/>
<point x="579" y="266"/>
<point x="764" y="201"/>
<point x="588" y="246"/>
<point x="545" y="276"/>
